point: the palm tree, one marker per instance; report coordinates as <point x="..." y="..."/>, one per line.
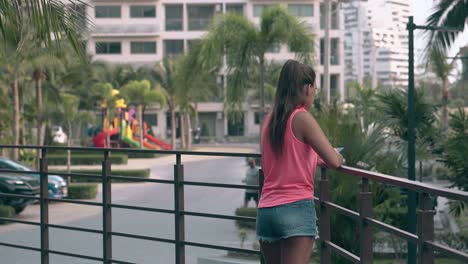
<point x="364" y="100"/>
<point x="194" y="85"/>
<point x="246" y="44"/>
<point x="439" y="65"/>
<point x="67" y="113"/>
<point x="140" y="94"/>
<point x="164" y="74"/>
<point x="447" y="13"/>
<point x="50" y="20"/>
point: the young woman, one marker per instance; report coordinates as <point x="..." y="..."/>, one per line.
<point x="292" y="146"/>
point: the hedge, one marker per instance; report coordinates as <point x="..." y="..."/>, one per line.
<point x="7" y="212"/>
<point x="86" y="159"/>
<point x="142" y="155"/>
<point x="246" y="212"/>
<point x="143" y="173"/>
<point x="131" y="155"/>
<point x="82" y="191"/>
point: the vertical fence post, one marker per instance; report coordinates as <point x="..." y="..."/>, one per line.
<point x="261" y="178"/>
<point x="179" y="208"/>
<point x="106" y="209"/>
<point x="425" y="229"/>
<point x="44" y="207"/>
<point x="365" y="210"/>
<point x="324" y="221"/>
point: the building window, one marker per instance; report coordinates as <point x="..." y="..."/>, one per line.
<point x="108" y="48"/>
<point x="107" y="11"/>
<point x="142" y="11"/>
<point x="334" y="15"/>
<point x="235" y="8"/>
<point x="257" y="118"/>
<point x="258" y="10"/>
<point x="174" y="18"/>
<point x="143" y="47"/>
<point x="301" y="10"/>
<point x="334" y="51"/>
<point x="334" y="84"/>
<point x="173" y="47"/>
<point x="200" y="16"/>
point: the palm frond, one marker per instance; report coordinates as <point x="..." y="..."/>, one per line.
<point x="450" y="14"/>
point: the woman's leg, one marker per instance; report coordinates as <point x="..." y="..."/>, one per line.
<point x="296" y="250"/>
<point x="271" y="251"/>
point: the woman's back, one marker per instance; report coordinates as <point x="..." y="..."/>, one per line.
<point x="289" y="175"/>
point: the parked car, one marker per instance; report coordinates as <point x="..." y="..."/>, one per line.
<point x="57" y="186"/>
<point x="12" y="183"/>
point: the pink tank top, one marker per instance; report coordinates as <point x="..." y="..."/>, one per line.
<point x="289" y="177"/>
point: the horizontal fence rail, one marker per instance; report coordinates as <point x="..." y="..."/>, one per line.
<point x="424" y="238"/>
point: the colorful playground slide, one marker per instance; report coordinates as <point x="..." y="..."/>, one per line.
<point x="100" y="139"/>
<point x="158" y="142"/>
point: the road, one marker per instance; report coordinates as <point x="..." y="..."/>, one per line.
<point x="200" y="199"/>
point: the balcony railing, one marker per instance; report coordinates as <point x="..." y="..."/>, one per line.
<point x="424" y="238"/>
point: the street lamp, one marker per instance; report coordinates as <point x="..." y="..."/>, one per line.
<point x="410" y="26"/>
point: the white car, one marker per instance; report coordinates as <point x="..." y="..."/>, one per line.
<point x="58" y="135"/>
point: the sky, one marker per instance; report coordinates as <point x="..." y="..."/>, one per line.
<point x="422" y="10"/>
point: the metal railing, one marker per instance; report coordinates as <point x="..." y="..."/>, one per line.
<point x="424" y="238"/>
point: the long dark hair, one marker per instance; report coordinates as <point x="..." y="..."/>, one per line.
<point x="293" y="77"/>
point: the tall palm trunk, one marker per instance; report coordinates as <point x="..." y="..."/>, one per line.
<point x="106" y="127"/>
<point x="262" y="92"/>
<point x="444" y="104"/>
<point x="38" y="77"/>
<point x="195" y="121"/>
<point x="182" y="130"/>
<point x="16" y="116"/>
<point x="173" y="127"/>
<point x="140" y="122"/>
<point x="69" y="139"/>
<point x="189" y="133"/>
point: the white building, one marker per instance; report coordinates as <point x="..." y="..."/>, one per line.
<point x="145" y="31"/>
<point x="376" y="41"/>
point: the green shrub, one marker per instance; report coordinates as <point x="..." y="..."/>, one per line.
<point x="143" y="173"/>
<point x="7" y="212"/>
<point x="142" y="155"/>
<point x="247" y="212"/>
<point x="86" y="159"/>
<point x="82" y="191"/>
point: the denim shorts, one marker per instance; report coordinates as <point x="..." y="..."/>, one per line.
<point x="287" y="220"/>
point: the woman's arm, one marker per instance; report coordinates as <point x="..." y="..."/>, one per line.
<point x="307" y="130"/>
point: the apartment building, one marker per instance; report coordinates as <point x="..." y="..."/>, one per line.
<point x="376" y="42"/>
<point x="142" y="32"/>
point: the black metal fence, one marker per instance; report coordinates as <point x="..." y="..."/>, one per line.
<point x="424" y="238"/>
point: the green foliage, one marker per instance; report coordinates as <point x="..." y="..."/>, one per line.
<point x="143" y="173"/>
<point x="7" y="212"/>
<point x="450" y="14"/>
<point x="142" y="155"/>
<point x="140" y="93"/>
<point x="245" y="45"/>
<point x="455" y="152"/>
<point x="86" y="159"/>
<point x="246" y="212"/>
<point x="82" y="191"/>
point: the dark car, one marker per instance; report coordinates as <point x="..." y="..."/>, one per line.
<point x="57" y="186"/>
<point x="12" y="183"/>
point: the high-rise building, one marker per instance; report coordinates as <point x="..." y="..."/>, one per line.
<point x="146" y="31"/>
<point x="376" y="42"/>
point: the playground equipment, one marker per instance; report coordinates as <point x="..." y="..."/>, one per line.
<point x="124" y="129"/>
